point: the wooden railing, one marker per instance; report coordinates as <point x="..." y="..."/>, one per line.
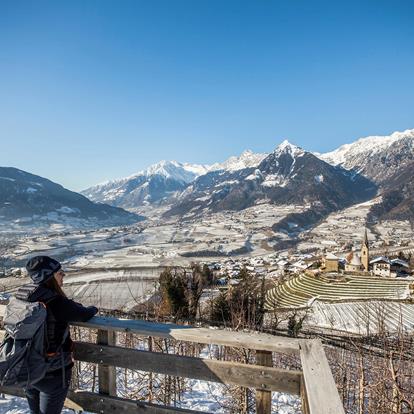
<point x="314" y="384"/>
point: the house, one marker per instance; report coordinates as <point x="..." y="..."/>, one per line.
<point x="400" y="268"/>
<point x="381" y="266"/>
<point x="331" y="263"/>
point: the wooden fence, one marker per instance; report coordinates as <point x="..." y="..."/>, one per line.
<point x="314" y="384"/>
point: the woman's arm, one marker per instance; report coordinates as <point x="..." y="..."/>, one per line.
<point x="68" y="310"/>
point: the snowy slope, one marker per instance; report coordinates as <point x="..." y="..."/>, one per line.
<point x="157" y="182"/>
<point x="175" y="171"/>
<point x="163" y="181"/>
<point x="376" y="157"/>
<point x="246" y="160"/>
<point x="32" y="201"/>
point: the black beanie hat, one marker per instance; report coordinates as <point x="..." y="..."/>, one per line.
<point x="42" y="268"/>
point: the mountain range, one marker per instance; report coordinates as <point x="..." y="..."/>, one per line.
<point x="321" y="183"/>
<point x="377" y="157"/>
<point x="389" y="162"/>
<point x="352" y="173"/>
<point x="288" y="175"/>
<point x="158" y="183"/>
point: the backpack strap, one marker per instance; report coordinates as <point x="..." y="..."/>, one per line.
<point x="59" y="349"/>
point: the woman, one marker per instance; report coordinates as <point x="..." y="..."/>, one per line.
<point x="47" y="396"/>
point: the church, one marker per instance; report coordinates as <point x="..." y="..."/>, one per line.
<point x="353" y="263"/>
<point x="360" y="262"/>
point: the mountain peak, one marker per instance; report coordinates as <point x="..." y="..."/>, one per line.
<point x="164" y="168"/>
<point x="169" y="169"/>
<point x="156" y="182"/>
<point x="366" y="147"/>
<point x="289" y="148"/>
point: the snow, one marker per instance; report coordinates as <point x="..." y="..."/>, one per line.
<point x="361" y="317"/>
<point x="274" y="180"/>
<point x="286" y="147"/>
<point x="199" y="395"/>
<point x="196" y="169"/>
<point x="380" y="259"/>
<point x="174" y="170"/>
<point x="67" y="210"/>
<point x="229" y="182"/>
<point x="319" y="178"/>
<point x="367" y="145"/>
<point x="247" y="159"/>
<point x="16" y="405"/>
<point x="257" y="175"/>
<point x="31" y="190"/>
<point x="184" y="172"/>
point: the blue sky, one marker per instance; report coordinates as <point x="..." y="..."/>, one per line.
<point x="95" y="90"/>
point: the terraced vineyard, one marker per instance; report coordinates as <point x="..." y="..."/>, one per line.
<point x="303" y="290"/>
<point x="363" y="317"/>
<point x="362" y="305"/>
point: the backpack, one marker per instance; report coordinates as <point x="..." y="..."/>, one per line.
<point x="23" y="359"/>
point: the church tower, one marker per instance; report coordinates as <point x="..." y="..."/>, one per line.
<point x="365" y="252"/>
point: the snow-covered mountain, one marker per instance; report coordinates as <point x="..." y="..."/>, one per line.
<point x="30" y="200"/>
<point x="397" y="197"/>
<point x="287" y="175"/>
<point x="158" y="182"/>
<point x="247" y="159"/>
<point x="375" y="157"/>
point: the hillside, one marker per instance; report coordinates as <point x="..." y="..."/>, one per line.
<point x="289" y="175"/>
<point x="28" y="199"/>
<point x="378" y="158"/>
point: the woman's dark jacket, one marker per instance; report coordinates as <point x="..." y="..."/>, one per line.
<point x="60" y="311"/>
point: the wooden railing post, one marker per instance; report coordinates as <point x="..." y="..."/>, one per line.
<point x="318" y="389"/>
<point x="304" y="397"/>
<point x="106" y="373"/>
<point x="264" y="398"/>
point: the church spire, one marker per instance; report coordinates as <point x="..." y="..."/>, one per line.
<point x="365" y="252"/>
<point x="365" y="243"/>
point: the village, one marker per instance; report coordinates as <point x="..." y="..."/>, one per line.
<point x="289" y="262"/>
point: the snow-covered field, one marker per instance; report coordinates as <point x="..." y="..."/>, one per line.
<point x="249" y="233"/>
<point x="362" y="318"/>
<point x="161" y="242"/>
<point x="347" y="227"/>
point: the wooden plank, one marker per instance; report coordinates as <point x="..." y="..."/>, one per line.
<point x="264" y="398"/>
<point x="257" y="341"/>
<point x="102" y="404"/>
<point x="251" y="376"/>
<point x="304" y="397"/>
<point x="112" y="405"/>
<point x="320" y="388"/>
<point x="106" y="373"/>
